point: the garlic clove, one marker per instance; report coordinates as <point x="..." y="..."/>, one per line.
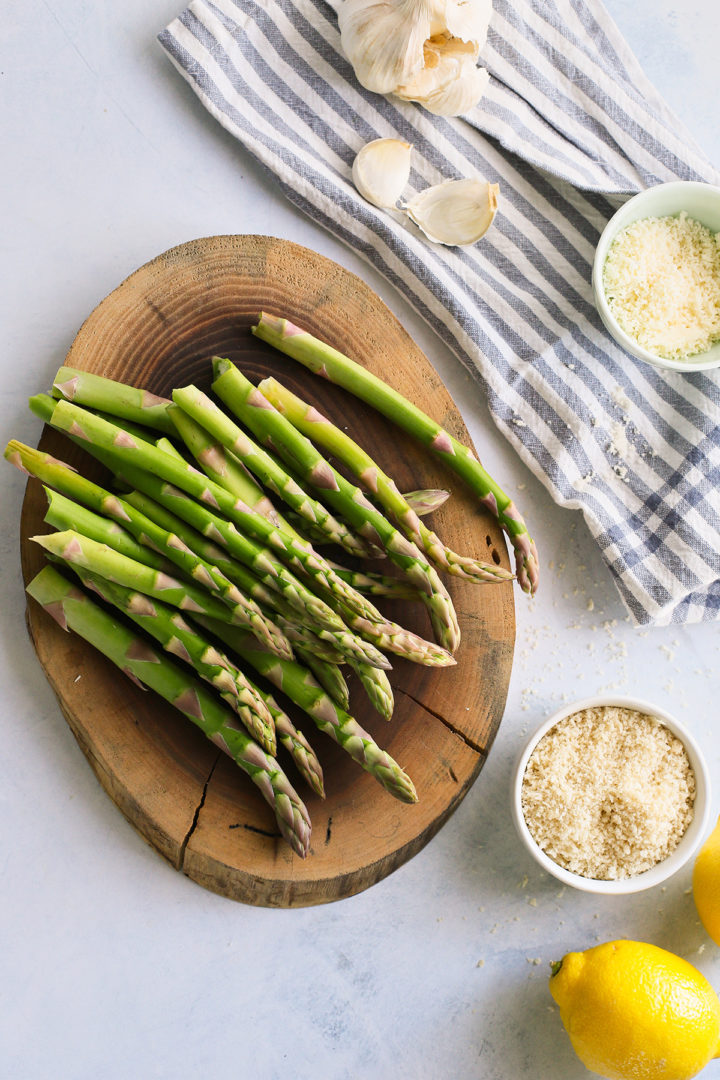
<point x="449" y="83"/>
<point x="468" y="20"/>
<point x="456" y="212"/>
<point x="383" y="40"/>
<point x="381" y="171"/>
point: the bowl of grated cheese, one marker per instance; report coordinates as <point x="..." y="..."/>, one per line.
<point x="611" y="795"/>
<point x="656" y="276"/>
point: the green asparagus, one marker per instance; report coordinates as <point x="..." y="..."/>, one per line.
<point x="323" y="360"/>
<point x="255" y="411"/>
<point x="113" y="398"/>
<point x="273" y="476"/>
<point x="126" y="450"/>
<point x="74" y="610"/>
<point x="304" y="690"/>
<point x="178" y="638"/>
<point x="323" y="433"/>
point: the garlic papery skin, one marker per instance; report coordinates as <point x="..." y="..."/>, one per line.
<point x="449" y="84"/>
<point x="381" y="171"/>
<point x="383" y="40"/>
<point x="417" y="49"/>
<point x="456" y="212"/>
<point x="468" y="20"/>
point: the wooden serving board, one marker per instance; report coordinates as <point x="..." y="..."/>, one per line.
<point x="158" y="329"/>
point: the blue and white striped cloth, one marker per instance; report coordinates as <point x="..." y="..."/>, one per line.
<point x="568" y="125"/>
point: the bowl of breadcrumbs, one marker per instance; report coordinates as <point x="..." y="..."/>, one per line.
<point x="611" y="795"/>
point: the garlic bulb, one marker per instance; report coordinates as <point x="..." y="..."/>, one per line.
<point x="381" y="170"/>
<point x="420" y="50"/>
<point x="449" y="83"/>
<point x="455" y="212"/>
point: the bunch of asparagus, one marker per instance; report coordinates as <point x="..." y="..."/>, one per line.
<point x="191" y="547"/>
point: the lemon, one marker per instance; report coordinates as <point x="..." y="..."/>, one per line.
<point x="636" y="1012"/>
<point x="706" y="884"/>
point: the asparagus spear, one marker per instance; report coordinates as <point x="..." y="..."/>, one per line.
<point x="272" y="573"/>
<point x="328" y="675"/>
<point x="372" y="584"/>
<point x="129" y="451"/>
<point x="378" y="689"/>
<point x="327" y="435"/>
<point x="219" y="466"/>
<point x="273" y="603"/>
<point x="169" y="628"/>
<point x="303" y="689"/>
<point x="145" y="544"/>
<point x="321" y="619"/>
<point x="269" y="425"/>
<point x="261" y="560"/>
<point x="78" y="550"/>
<point x="386" y="635"/>
<point x="115" y="398"/>
<point x="426" y="500"/>
<point x="273" y="476"/>
<point x="158" y="498"/>
<point x="293" y="740"/>
<point x="74" y="610"/>
<point x="287" y="734"/>
<point x="323" y="360"/>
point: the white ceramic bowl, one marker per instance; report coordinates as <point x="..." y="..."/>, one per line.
<point x="687" y="847"/>
<point x="700" y="201"/>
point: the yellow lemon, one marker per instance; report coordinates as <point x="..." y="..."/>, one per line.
<point x="706" y="884"/>
<point x="636" y="1012"/>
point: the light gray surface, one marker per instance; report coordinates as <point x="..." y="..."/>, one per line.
<point x="114" y="965"/>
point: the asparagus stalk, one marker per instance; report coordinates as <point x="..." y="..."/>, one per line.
<point x="372" y="584"/>
<point x="74" y="610"/>
<point x="78" y="550"/>
<point x="220" y="466"/>
<point x="271" y="603"/>
<point x="287" y="734"/>
<point x="149" y="539"/>
<point x="269" y="425"/>
<point x="426" y="500"/>
<point x="126" y="450"/>
<point x="327" y="435"/>
<point x="114" y="398"/>
<point x="377" y="689"/>
<point x="269" y="472"/>
<point x="328" y="675"/>
<point x="262" y="561"/>
<point x="313" y="638"/>
<point x="264" y="564"/>
<point x="323" y="360"/>
<point x="304" y="690"/>
<point x="293" y="740"/>
<point x="321" y="619"/>
<point x="391" y="637"/>
<point x="179" y="639"/>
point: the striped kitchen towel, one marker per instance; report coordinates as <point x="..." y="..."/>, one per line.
<point x="568" y="126"/>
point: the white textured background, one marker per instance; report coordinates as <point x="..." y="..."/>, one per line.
<point x="116" y="967"/>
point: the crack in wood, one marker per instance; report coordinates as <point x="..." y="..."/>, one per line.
<point x="451" y="727"/>
<point x="196" y="815"/>
<point x="274" y="834"/>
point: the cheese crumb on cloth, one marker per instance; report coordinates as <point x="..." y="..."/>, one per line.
<point x="608" y="793"/>
<point x="568" y="127"/>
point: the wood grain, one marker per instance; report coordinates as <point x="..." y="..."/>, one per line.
<point x="158" y="330"/>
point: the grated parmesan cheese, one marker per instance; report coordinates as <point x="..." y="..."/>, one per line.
<point x="662" y="283"/>
<point x="608" y="793"/>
